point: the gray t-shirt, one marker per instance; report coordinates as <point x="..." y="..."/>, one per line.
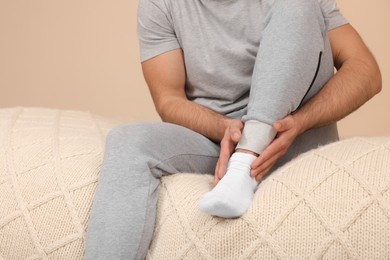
<point x="219" y="39"/>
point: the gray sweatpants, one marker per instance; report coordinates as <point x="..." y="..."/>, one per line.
<point x="292" y="66"/>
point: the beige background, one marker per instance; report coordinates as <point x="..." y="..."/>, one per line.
<point x="83" y="55"/>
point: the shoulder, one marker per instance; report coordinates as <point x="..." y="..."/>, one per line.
<point x="162" y="4"/>
<point x="332" y="14"/>
<point x="328" y="6"/>
<point x="154" y="9"/>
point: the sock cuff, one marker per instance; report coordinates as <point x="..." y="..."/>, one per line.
<point x="256" y="136"/>
<point x="245" y="158"/>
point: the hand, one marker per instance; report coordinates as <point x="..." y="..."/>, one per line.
<point x="287" y="130"/>
<point x="228" y="144"/>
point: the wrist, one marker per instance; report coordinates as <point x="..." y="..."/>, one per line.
<point x="222" y="124"/>
<point x="302" y="123"/>
<point x="226" y="122"/>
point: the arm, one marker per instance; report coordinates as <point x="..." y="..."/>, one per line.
<point x="165" y="76"/>
<point x="357" y="80"/>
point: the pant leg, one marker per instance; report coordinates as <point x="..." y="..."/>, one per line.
<point x="123" y="214"/>
<point x="294" y="61"/>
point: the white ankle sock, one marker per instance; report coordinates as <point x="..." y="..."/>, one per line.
<point x="234" y="192"/>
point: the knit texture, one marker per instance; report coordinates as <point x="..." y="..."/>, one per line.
<point x="329" y="203"/>
<point x="49" y="165"/>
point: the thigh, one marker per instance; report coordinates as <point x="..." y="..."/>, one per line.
<point x="136" y="156"/>
<point x="163" y="148"/>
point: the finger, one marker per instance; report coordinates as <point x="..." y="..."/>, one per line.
<point x="223" y="160"/>
<point x="216" y="180"/>
<point x="264" y="169"/>
<point x="216" y="168"/>
<point x="235" y="136"/>
<point x="283" y="125"/>
<point x="222" y="170"/>
<point x="274" y="148"/>
<point x="231" y="136"/>
<point x="235" y="132"/>
<point x="278" y="126"/>
<point x="264" y="172"/>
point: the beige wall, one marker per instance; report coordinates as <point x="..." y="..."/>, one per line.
<point x="83" y="55"/>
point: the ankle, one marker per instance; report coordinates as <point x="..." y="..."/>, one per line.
<point x="240" y="150"/>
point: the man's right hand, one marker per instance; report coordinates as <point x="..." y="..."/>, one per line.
<point x="228" y="144"/>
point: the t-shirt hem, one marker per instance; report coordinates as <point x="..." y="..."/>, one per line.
<point x="147" y="54"/>
<point x="334" y="25"/>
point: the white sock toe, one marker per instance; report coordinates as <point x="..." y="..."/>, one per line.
<point x="234" y="193"/>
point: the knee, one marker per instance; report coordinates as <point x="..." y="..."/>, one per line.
<point x="118" y="135"/>
<point x="125" y="149"/>
<point x="300" y="14"/>
<point x="136" y="137"/>
<point x="293" y="10"/>
<point x="131" y="136"/>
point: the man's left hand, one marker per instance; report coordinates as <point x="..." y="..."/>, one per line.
<point x="287" y="130"/>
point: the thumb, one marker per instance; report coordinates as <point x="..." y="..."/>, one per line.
<point x="235" y="131"/>
<point x="281" y="125"/>
<point x="235" y="135"/>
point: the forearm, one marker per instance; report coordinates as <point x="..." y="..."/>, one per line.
<point x="198" y="118"/>
<point x="165" y="76"/>
<point x="355" y="83"/>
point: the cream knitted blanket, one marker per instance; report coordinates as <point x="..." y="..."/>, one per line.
<point x="49" y="166"/>
<point x="330" y="203"/>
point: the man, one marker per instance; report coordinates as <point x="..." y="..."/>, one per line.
<point x="255" y="76"/>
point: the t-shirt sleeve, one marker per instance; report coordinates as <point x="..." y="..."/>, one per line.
<point x="332" y="15"/>
<point x="155" y="29"/>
